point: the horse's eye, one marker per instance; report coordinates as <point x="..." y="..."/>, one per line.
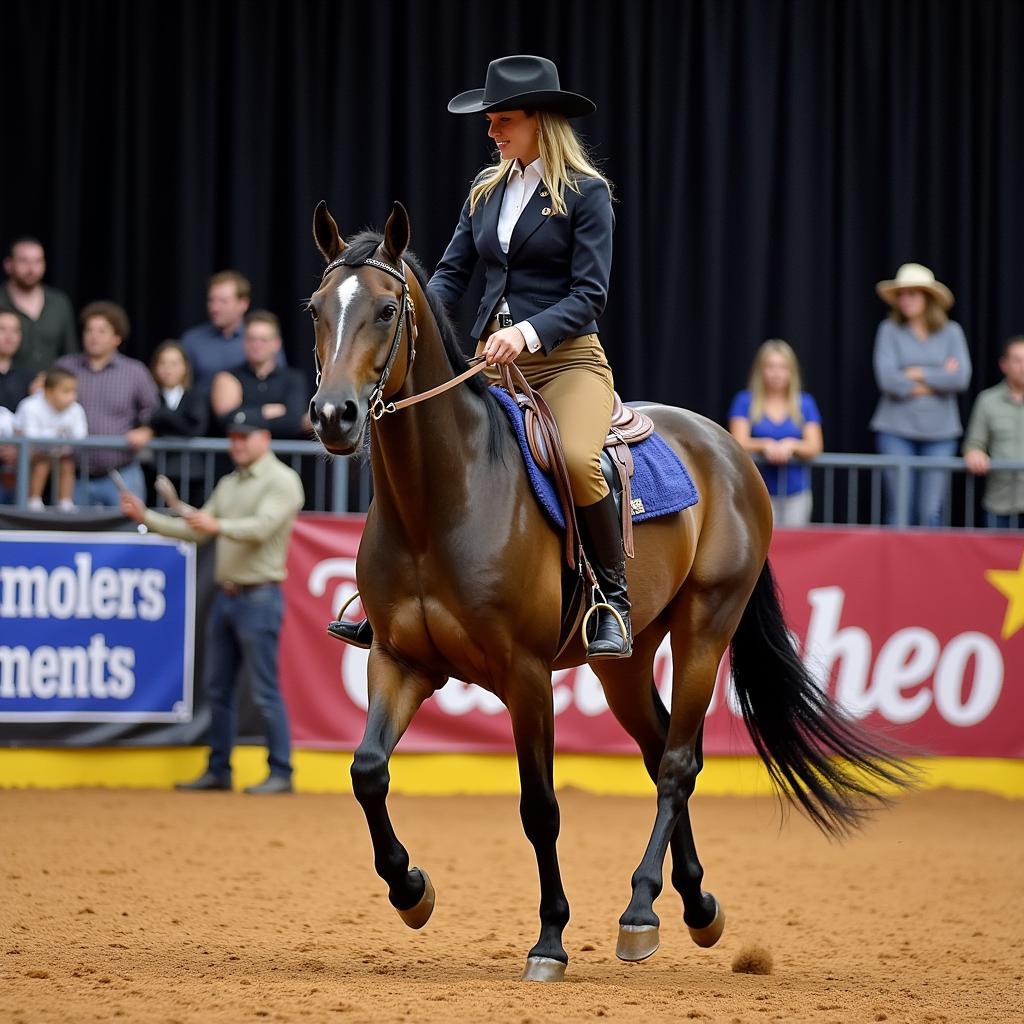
<point x="387" y="314"/>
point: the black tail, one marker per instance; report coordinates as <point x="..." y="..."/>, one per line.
<point x="818" y="757"/>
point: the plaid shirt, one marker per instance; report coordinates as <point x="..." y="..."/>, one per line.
<point x="116" y="399"/>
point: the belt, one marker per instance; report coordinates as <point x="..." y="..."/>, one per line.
<point x="231" y="589"/>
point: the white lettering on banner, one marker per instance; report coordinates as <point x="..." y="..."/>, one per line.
<point x="950" y="679"/>
<point x="909" y="658"/>
<point x="67" y="672"/>
<point x="965" y="677"/>
<point x="30" y="592"/>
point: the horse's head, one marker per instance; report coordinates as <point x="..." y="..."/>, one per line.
<point x="365" y="329"/>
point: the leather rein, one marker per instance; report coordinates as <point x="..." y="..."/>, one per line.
<point x="378" y="406"/>
<point x="512" y="380"/>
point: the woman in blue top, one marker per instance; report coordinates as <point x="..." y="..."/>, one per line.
<point x="773" y="418"/>
<point x="921" y="365"/>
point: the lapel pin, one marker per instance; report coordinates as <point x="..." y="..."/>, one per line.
<point x="546" y="211"/>
<point x="544" y="193"/>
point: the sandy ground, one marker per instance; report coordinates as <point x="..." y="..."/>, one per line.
<point x="156" y="906"/>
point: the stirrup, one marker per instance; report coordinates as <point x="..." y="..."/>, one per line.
<point x="624" y="632"/>
<point x="358" y="634"/>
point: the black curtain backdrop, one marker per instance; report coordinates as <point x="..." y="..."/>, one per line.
<point x="772" y="159"/>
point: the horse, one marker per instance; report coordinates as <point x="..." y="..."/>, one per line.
<point x="460" y="576"/>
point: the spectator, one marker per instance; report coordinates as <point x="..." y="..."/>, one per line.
<point x="996" y="431"/>
<point x="118" y="396"/>
<point x="280" y="394"/>
<point x="250" y="512"/>
<point x="53" y="412"/>
<point x="775" y="419"/>
<point x="47" y="319"/>
<point x="183" y="410"/>
<point x="14" y="386"/>
<point x="15" y="381"/>
<point x="217" y="344"/>
<point x="921" y="365"/>
<point x="8" y="455"/>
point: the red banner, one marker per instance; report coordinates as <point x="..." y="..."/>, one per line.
<point x="919" y="634"/>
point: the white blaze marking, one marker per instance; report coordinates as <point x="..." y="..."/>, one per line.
<point x="346" y="292"/>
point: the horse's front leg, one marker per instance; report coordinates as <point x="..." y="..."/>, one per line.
<point x="530" y="706"/>
<point x="395" y="694"/>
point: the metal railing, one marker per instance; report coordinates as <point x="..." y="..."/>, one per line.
<point x="332" y="485"/>
<point x="847" y="489"/>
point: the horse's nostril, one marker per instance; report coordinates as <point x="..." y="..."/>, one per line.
<point x="349" y="414"/>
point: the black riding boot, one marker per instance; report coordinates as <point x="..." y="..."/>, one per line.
<point x="602" y="540"/>
<point x="358" y="634"/>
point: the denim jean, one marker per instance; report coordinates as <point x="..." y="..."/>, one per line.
<point x="996" y="521"/>
<point x="242" y="632"/>
<point x="103" y="491"/>
<point x="927" y="494"/>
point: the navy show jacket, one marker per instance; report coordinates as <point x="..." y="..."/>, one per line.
<point x="556" y="271"/>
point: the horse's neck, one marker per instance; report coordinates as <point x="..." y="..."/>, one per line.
<point x="423" y="456"/>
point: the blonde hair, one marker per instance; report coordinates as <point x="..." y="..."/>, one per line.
<point x="775" y="347"/>
<point x="564" y="158"/>
<point x="934" y="315"/>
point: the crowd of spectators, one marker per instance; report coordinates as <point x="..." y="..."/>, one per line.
<point x="57" y="388"/>
<point x="52" y="387"/>
<point x="921" y="365"/>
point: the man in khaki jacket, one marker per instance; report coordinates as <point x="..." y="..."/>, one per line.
<point x="996" y="431"/>
<point x="250" y="512"/>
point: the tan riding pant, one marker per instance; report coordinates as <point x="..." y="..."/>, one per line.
<point x="576" y="382"/>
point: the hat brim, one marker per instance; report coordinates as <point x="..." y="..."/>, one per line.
<point x="570" y="104"/>
<point x="887" y="291"/>
<point x="243" y="428"/>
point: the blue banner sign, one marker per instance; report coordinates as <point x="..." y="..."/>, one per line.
<point x="96" y="627"/>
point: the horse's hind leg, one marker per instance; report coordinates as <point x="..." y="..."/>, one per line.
<point x="394" y="697"/>
<point x="701" y="623"/>
<point x="530" y="707"/>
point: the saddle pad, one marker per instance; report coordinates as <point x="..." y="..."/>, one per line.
<point x="661" y="483"/>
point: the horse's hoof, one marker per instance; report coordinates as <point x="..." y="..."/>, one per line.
<point x="418" y="915"/>
<point x="710" y="934"/>
<point x="637" y="941"/>
<point x="543" y="968"/>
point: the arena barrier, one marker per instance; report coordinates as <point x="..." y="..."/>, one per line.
<point x="920" y="634"/>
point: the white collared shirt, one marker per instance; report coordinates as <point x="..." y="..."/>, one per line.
<point x="522" y="183"/>
<point x="173" y="396"/>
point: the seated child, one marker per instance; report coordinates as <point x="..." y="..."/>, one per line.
<point x="52" y="412"/>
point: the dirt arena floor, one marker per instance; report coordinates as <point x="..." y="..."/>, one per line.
<point x="164" y="907"/>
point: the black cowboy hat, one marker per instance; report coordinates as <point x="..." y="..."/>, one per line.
<point x="521" y="82"/>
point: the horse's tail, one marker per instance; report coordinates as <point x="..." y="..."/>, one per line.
<point x="817" y="756"/>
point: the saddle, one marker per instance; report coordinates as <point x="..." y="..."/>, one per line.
<point x="628" y="427"/>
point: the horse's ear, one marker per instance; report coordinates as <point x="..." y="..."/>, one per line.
<point x="397" y="232"/>
<point x="325" y="231"/>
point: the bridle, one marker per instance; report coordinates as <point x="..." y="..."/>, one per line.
<point x="378" y="407"/>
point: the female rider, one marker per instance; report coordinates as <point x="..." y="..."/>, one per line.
<point x="540" y="221"/>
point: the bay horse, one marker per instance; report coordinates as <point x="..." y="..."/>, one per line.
<point x="461" y="576"/>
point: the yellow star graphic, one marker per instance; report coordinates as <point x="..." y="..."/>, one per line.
<point x="1010" y="583"/>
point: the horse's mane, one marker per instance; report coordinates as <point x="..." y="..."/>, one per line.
<point x="363" y="246"/>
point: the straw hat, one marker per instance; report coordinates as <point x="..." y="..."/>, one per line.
<point x="913" y="275"/>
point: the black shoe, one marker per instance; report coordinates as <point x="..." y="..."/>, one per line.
<point x="271" y="784"/>
<point x="358" y="634"/>
<point x="602" y="540"/>
<point x="205" y="781"/>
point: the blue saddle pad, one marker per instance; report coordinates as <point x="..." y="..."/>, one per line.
<point x="661" y="483"/>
